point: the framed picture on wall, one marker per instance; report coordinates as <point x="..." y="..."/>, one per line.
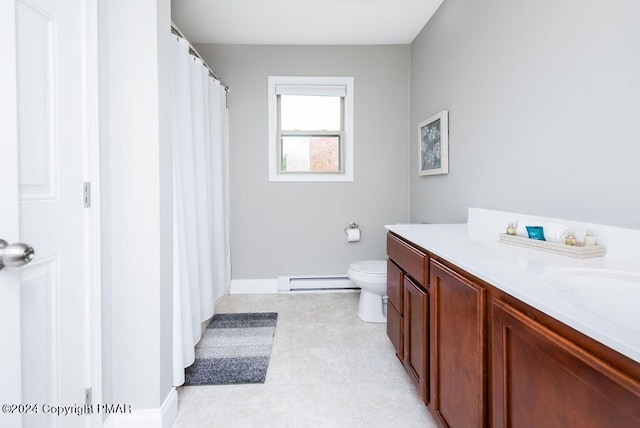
<point x="434" y="144"/>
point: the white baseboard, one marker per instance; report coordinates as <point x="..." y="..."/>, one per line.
<point x="253" y="286"/>
<point x="161" y="417"/>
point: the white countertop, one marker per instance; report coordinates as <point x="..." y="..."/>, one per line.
<point x="521" y="273"/>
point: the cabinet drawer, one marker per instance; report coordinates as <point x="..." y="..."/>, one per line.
<point x="410" y="259"/>
<point x="394" y="286"/>
<point x="395" y="327"/>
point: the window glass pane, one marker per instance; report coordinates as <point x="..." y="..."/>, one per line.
<point x="311" y="154"/>
<point x="311" y="113"/>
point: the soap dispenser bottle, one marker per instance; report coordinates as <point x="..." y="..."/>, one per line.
<point x="589" y="238"/>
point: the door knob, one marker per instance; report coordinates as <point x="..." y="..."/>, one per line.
<point x="15" y="255"/>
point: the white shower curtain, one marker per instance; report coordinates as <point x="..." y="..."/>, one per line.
<point x="201" y="270"/>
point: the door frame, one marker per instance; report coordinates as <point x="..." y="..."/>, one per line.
<point x="92" y="220"/>
<point x="10" y="372"/>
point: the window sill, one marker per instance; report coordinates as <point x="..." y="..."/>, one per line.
<point x="311" y="178"/>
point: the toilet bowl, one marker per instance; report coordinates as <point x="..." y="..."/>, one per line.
<point x="371" y="277"/>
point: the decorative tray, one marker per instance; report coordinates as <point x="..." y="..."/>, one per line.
<point x="578" y="252"/>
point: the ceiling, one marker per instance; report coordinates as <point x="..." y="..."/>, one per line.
<point x="302" y="22"/>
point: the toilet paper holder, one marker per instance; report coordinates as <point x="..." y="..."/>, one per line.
<point x="353" y="232"/>
<point x="352" y="225"/>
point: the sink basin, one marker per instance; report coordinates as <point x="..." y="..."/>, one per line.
<point x="611" y="294"/>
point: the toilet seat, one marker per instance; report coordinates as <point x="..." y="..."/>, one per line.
<point x="371" y="268"/>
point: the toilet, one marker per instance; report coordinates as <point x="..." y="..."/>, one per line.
<point x="371" y="277"/>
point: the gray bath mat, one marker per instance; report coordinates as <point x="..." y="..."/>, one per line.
<point x="235" y="348"/>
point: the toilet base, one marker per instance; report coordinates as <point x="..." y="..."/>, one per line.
<point x="371" y="307"/>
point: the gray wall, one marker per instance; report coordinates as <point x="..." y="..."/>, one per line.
<point x="543" y="100"/>
<point x="297" y="228"/>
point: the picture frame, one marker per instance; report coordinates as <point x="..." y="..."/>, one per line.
<point x="433" y="145"/>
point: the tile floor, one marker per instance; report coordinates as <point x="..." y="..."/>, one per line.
<point x="327" y="369"/>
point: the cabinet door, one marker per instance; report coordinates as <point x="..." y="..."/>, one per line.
<point x="457" y="348"/>
<point x="416" y="335"/>
<point x="541" y="379"/>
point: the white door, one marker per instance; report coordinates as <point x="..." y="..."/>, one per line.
<point x="42" y="304"/>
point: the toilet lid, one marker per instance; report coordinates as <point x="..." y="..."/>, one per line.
<point x="370" y="267"/>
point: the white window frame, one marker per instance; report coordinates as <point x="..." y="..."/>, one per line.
<point x="346" y="161"/>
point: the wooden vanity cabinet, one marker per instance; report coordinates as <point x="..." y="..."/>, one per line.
<point x="457" y="348"/>
<point x="542" y="379"/>
<point x="482" y="358"/>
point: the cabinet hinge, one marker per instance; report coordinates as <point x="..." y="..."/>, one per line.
<point x="86" y="194"/>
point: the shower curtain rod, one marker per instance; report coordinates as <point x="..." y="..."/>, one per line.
<point x="175" y="30"/>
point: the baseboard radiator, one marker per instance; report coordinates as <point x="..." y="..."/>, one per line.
<point x="315" y="283"/>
